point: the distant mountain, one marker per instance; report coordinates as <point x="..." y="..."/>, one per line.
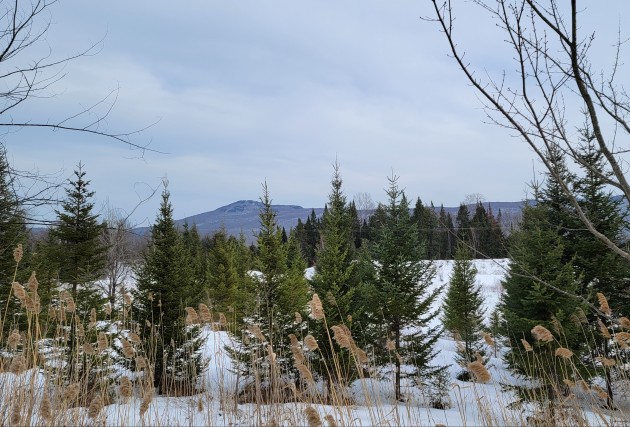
<point x="242" y="216"/>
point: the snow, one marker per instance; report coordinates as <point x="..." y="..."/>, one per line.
<point x="372" y="400"/>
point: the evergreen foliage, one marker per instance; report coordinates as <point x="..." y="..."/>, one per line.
<point x="280" y="291"/>
<point x="400" y="292"/>
<point x="463" y="308"/>
<point x="541" y="289"/>
<point x="164" y="289"/>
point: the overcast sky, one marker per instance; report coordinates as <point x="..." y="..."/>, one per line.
<point x="246" y="91"/>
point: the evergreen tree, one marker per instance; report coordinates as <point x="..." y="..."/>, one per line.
<point x="229" y="287"/>
<point x="12" y="232"/>
<point x="447" y="237"/>
<point x="462" y="225"/>
<point x="401" y="295"/>
<point x="280" y="291"/>
<point x="463" y="309"/>
<point x="78" y="250"/>
<point x="336" y="282"/>
<point x="163" y="291"/>
<point x="540" y="289"/>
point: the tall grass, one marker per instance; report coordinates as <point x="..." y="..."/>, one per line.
<point x="111" y="383"/>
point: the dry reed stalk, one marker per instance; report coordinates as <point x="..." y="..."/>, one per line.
<point x="96" y="406"/>
<point x="80" y="328"/>
<point x="317" y="311"/>
<point x="607" y="362"/>
<point x="312" y="417"/>
<point x="88" y="349"/>
<point x="305" y="373"/>
<point x="14" y="339"/>
<point x="134" y="338"/>
<point x="622" y="336"/>
<point x="311" y="342"/>
<point x="92" y="323"/>
<point x="481" y="373"/>
<point x="624" y="323"/>
<point x="18" y="252"/>
<point x="526" y="345"/>
<point x="564" y="353"/>
<point x="32" y="283"/>
<point x="488" y="339"/>
<point x="71" y="392"/>
<point x="108" y="309"/>
<point x="125" y="388"/>
<point x="603" y="329"/>
<point x="298" y="317"/>
<point x="199" y="405"/>
<point x="18" y="364"/>
<point x="45" y="409"/>
<point x="16" y="415"/>
<point x="271" y="355"/>
<point x="581" y="316"/>
<point x="204" y="313"/>
<point x="127" y="349"/>
<point x="330" y="420"/>
<point x="144" y="405"/>
<point x="390" y="345"/>
<point x="191" y="316"/>
<point x="101" y="342"/>
<point x="603" y="304"/>
<point x="556" y="326"/>
<point x="19" y="291"/>
<point x="223" y="320"/>
<point x="255" y="330"/>
<point x="141" y="362"/>
<point x="341" y="337"/>
<point x="542" y="334"/>
<point x="127" y="298"/>
<point x="583" y="385"/>
<point x="569" y="382"/>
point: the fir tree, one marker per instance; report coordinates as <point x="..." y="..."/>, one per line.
<point x="400" y="290"/>
<point x="463" y="309"/>
<point x="163" y="291"/>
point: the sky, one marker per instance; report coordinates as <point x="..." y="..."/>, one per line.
<point x="236" y="93"/>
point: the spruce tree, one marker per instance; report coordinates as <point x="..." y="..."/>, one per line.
<point x="280" y="291"/>
<point x="335" y="281"/>
<point x="541" y="289"/>
<point x="463" y="309"/>
<point x="164" y="286"/>
<point x="77" y="250"/>
<point x="401" y="296"/>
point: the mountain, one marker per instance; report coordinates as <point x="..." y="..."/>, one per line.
<point x="242" y="216"/>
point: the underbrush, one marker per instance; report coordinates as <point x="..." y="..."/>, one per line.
<point x="104" y="376"/>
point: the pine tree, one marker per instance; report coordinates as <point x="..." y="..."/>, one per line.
<point x="400" y="290"/>
<point x="163" y="291"/>
<point x="463" y="309"/>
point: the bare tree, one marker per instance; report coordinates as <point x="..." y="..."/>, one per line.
<point x="26" y="75"/>
<point x="554" y="93"/>
<point x="123" y="249"/>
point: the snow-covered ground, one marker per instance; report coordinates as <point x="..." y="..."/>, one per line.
<point x="372" y="400"/>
